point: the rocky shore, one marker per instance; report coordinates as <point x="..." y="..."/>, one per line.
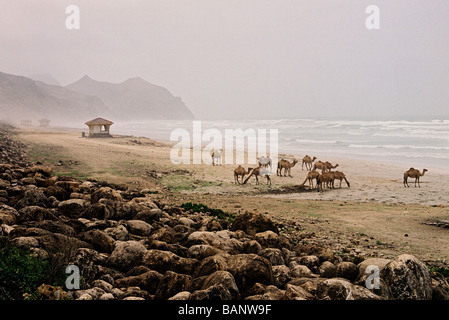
<point x="129" y="246"/>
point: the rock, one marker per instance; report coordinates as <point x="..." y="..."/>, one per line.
<point x="100" y="240"/>
<point x="219" y="285"/>
<point x="311" y="262"/>
<point x="165" y="260"/>
<point x="251" y="246"/>
<point x="32" y="197"/>
<point x="99" y="211"/>
<point x="293" y="292"/>
<point x="222" y="240"/>
<point x="126" y="255"/>
<point x="138" y="227"/>
<point x="327" y="270"/>
<point x="59" y="193"/>
<point x="105" y="286"/>
<point x="25" y="242"/>
<point x="300" y="271"/>
<point x="183" y="295"/>
<point x="173" y="283"/>
<point x="105" y="193"/>
<point x="148" y="281"/>
<point x="72" y="208"/>
<point x="119" y="233"/>
<point x="48" y="292"/>
<point x="271" y="293"/>
<point x="69" y="186"/>
<point x="347" y="270"/>
<point x="54" y="226"/>
<point x="274" y="255"/>
<point x="35" y="213"/>
<point x="342" y="289"/>
<point x="28" y="181"/>
<point x="281" y="275"/>
<point x="201" y="251"/>
<point x="253" y="222"/>
<point x="107" y="296"/>
<point x="211" y="264"/>
<point x="248" y="269"/>
<point x="408" y="278"/>
<point x="8" y="215"/>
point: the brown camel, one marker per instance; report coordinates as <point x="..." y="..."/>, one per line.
<point x="413" y="173"/>
<point x="287" y="166"/>
<point x="328" y="166"/>
<point x="338" y="175"/>
<point x="325" y="179"/>
<point x="324" y="166"/>
<point x="256" y="172"/>
<point x="240" y="171"/>
<point x="310" y="176"/>
<point x="308" y="161"/>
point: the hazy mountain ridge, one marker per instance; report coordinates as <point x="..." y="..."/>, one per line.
<point x="22" y="98"/>
<point x="134" y="99"/>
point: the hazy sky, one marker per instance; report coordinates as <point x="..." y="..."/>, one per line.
<point x="245" y="58"/>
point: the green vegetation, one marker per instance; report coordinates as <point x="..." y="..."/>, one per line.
<point x="21" y="273"/>
<point x="199" y="207"/>
<point x="441" y="270"/>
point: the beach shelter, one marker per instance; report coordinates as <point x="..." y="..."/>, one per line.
<point x="99" y="128"/>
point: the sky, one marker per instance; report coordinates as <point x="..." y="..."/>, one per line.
<point x="239" y="59"/>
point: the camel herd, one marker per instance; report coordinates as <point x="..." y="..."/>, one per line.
<point x="319" y="171"/>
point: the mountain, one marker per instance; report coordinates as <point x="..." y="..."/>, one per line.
<point x="24" y="99"/>
<point x="46" y="78"/>
<point x="134" y="99"/>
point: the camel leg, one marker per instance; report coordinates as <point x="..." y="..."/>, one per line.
<point x="268" y="179"/>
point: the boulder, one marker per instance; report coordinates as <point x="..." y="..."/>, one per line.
<point x="126" y="255"/>
<point x="8" y="215"/>
<point x="253" y="222"/>
<point x="327" y="270"/>
<point x="100" y="240"/>
<point x="138" y="227"/>
<point x="347" y="270"/>
<point x="165" y="260"/>
<point x="293" y="292"/>
<point x="248" y="269"/>
<point x="105" y="193"/>
<point x="72" y="208"/>
<point x="222" y="240"/>
<point x="211" y="264"/>
<point x="342" y="289"/>
<point x="408" y="278"/>
<point x="218" y="285"/>
<point x="173" y="283"/>
<point x="35" y="213"/>
<point x="32" y="197"/>
<point x="148" y="281"/>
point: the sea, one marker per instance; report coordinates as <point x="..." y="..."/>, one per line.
<point x="412" y="143"/>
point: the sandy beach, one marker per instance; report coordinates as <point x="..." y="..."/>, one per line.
<point x="377" y="214"/>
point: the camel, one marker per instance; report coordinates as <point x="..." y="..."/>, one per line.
<point x="216" y="154"/>
<point x="308" y="161"/>
<point x="326" y="178"/>
<point x="259" y="171"/>
<point x="287" y="166"/>
<point x="324" y="166"/>
<point x="338" y="175"/>
<point x="413" y="173"/>
<point x="310" y="176"/>
<point x="240" y="171"/>
<point x="265" y="162"/>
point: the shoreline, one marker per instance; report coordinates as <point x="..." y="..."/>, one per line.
<point x="376" y="204"/>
